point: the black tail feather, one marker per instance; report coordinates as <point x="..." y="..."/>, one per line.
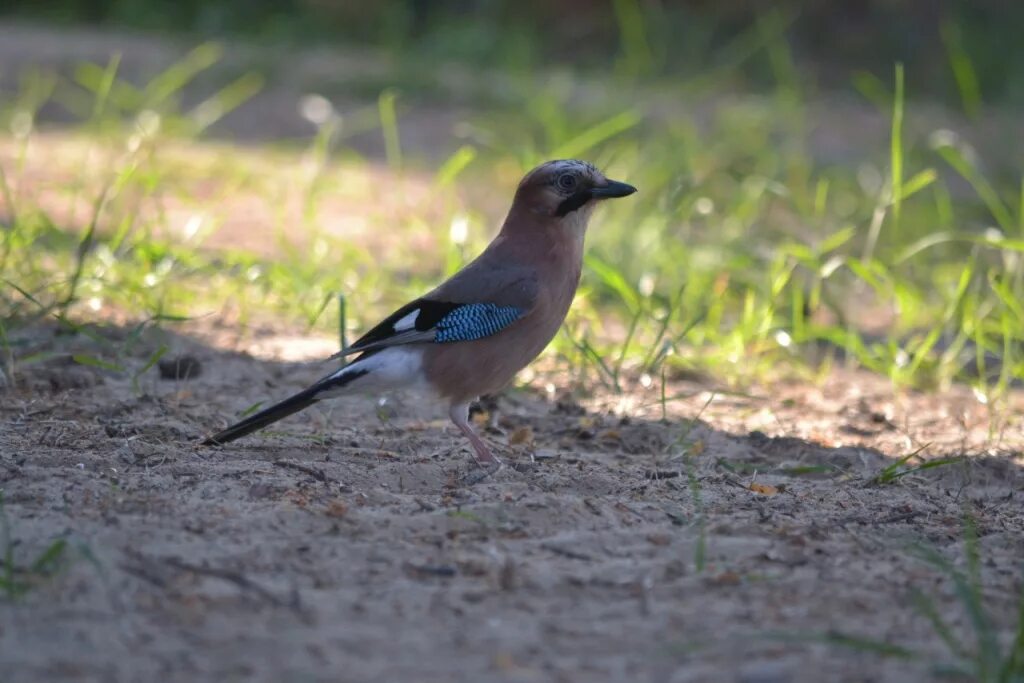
<point x="290" y="405"/>
<point x="276" y="412"/>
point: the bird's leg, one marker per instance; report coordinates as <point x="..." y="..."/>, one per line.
<point x="459" y="414"/>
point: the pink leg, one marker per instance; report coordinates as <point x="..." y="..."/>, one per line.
<point x="459" y="413"/>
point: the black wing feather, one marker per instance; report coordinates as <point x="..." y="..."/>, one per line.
<point x="430" y="312"/>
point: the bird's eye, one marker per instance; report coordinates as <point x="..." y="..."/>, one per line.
<point x="567" y="181"/>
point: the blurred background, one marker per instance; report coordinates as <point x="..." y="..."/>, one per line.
<point x="639" y="38"/>
<point x="821" y="182"/>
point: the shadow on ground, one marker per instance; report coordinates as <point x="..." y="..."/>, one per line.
<point x="340" y="545"/>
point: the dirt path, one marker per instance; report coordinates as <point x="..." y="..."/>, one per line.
<point x="339" y="547"/>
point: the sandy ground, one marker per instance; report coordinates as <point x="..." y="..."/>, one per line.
<point x="341" y="546"/>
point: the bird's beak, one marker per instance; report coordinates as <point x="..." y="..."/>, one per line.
<point x="612" y="190"/>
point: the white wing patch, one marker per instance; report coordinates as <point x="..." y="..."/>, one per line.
<point x="407" y="322"/>
<point x="397" y="367"/>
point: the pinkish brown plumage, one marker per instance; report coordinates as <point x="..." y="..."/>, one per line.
<point x="474" y="332"/>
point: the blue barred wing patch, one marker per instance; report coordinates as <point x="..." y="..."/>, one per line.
<point x="475" y="321"/>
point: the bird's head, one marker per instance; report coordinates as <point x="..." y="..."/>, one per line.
<point x="567" y="189"/>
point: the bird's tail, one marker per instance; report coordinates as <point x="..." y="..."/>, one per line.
<point x="293" y="404"/>
<point x="276" y="412"/>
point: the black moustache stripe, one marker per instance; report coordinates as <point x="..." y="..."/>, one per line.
<point x="573" y="202"/>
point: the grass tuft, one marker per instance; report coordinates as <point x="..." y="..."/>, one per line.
<point x="17" y="576"/>
<point x="982" y="654"/>
<point x="743" y="257"/>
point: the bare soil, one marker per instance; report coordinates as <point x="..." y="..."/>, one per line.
<point x="341" y="545"/>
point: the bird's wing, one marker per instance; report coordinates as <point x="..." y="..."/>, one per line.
<point x="471" y="305"/>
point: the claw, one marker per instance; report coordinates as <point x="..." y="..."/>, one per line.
<point x="480" y="473"/>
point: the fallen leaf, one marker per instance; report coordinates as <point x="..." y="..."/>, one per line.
<point x="659" y="539"/>
<point x="521" y="435"/>
<point x="297" y="498"/>
<point x="336" y="509"/>
<point x="763" y="489"/>
<point x="726" y="578"/>
<point x="503" y="661"/>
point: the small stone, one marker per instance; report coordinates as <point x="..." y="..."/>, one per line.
<point x="180" y="367"/>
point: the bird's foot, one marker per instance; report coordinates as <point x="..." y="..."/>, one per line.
<point x="520" y="466"/>
<point x="482" y="471"/>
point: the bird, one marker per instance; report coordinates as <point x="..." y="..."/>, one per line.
<point x="470" y="335"/>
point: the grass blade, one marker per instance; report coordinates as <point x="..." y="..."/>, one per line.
<point x="92" y="361"/>
<point x="389" y="126"/>
<point x="896" y="147"/>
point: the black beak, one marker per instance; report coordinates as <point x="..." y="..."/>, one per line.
<point x="612" y="190"/>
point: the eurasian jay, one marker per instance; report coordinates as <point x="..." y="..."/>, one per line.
<point x="473" y="333"/>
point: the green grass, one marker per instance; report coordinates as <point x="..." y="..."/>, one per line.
<point x="977" y="652"/>
<point x="743" y="255"/>
<point x="976" y="648"/>
<point x="898" y="469"/>
<point x="19" y="575"/>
